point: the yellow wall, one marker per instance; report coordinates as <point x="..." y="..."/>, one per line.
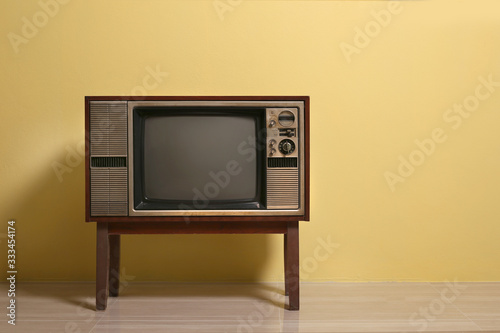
<point x="371" y="98"/>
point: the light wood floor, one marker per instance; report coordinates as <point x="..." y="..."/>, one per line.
<point x="325" y="307"/>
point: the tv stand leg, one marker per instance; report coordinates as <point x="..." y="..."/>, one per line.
<point x="102" y="266"/>
<point x="114" y="265"/>
<point x="285" y="243"/>
<point x="292" y="265"/>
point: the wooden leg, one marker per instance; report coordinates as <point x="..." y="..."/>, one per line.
<point x="102" y="266"/>
<point x="292" y="265"/>
<point x="287" y="287"/>
<point x="114" y="265"/>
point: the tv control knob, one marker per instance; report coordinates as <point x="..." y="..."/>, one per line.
<point x="272" y="152"/>
<point x="286" y="146"/>
<point x="286" y="118"/>
<point x="272" y="123"/>
<point x="272" y="143"/>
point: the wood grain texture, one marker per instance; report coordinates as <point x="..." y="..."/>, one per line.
<point x="193" y="219"/>
<point x="212" y="227"/>
<point x="102" y="266"/>
<point x="292" y="278"/>
<point x="197" y="98"/>
<point x="114" y="265"/>
<point x="307" y="159"/>
<point x="260" y="308"/>
<point x="87" y="159"/>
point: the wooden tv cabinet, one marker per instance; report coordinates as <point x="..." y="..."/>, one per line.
<point x="108" y="248"/>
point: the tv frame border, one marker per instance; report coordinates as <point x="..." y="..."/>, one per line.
<point x="109" y="228"/>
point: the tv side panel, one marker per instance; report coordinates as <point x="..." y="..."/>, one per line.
<point x="87" y="161"/>
<point x="306" y="156"/>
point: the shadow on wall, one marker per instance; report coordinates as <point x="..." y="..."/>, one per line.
<point x="54" y="243"/>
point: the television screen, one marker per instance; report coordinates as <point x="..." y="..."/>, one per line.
<point x="202" y="160"/>
<point x="183" y="155"/>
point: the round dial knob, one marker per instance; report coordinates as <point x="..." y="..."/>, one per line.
<point x="286" y="146"/>
<point x="272" y="152"/>
<point x="286" y="118"/>
<point x="272" y="123"/>
<point x="272" y="143"/>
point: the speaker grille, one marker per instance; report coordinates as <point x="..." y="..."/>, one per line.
<point x="282" y="188"/>
<point x="108" y="129"/>
<point x="108" y="159"/>
<point x="282" y="162"/>
<point x="108" y="162"/>
<point x="108" y="191"/>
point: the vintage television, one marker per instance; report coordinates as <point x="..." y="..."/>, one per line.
<point x="195" y="165"/>
<point x="177" y="158"/>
